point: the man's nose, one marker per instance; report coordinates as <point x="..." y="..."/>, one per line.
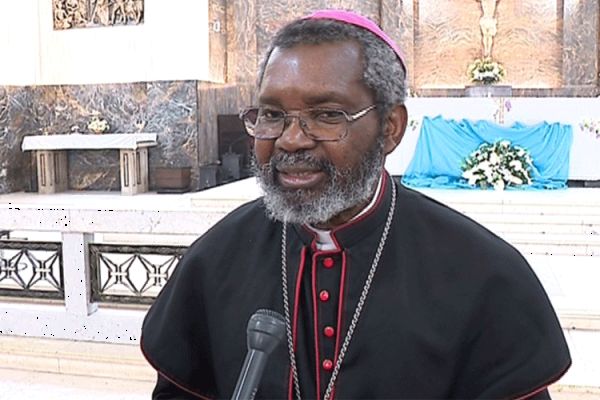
<point x="293" y="137"/>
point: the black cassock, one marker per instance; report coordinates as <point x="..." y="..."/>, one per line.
<point x="453" y="310"/>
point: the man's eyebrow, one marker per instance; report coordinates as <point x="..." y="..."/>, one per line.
<point x="272" y="100"/>
<point x="316" y="99"/>
<point x="326" y="97"/>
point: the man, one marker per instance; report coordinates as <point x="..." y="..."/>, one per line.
<point x="386" y="293"/>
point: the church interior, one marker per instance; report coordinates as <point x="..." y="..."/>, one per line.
<point x="120" y="143"/>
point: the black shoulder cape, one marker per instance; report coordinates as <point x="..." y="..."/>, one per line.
<point x="453" y="311"/>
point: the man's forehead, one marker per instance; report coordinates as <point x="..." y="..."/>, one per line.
<point x="334" y="62"/>
<point x="331" y="48"/>
<point x="316" y="72"/>
<point x="317" y="57"/>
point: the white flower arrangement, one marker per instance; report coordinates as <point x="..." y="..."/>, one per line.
<point x="98" y="124"/>
<point x="591" y="126"/>
<point x="498" y="165"/>
<point x="486" y="71"/>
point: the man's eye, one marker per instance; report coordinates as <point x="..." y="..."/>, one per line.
<point x="271" y="115"/>
<point x="328" y="116"/>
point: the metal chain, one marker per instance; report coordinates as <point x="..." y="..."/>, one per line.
<point x="286" y="308"/>
<point x="357" y="310"/>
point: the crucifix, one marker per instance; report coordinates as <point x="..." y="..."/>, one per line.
<point x="488" y="25"/>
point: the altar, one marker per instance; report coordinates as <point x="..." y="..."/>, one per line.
<point x="581" y="162"/>
<point x="52" y="165"/>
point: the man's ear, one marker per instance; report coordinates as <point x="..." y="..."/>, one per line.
<point x="395" y="127"/>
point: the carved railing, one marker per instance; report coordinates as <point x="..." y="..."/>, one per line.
<point x="131" y="274"/>
<point x="112" y="260"/>
<point x="31" y="269"/>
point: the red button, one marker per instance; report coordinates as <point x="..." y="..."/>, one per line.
<point x="324" y="295"/>
<point x="328" y="262"/>
<point x="327" y="365"/>
<point x="329" y="331"/>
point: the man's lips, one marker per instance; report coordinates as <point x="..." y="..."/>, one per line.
<point x="299" y="178"/>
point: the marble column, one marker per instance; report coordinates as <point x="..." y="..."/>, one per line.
<point x="17" y="119"/>
<point x="242" y="57"/>
<point x="397" y="20"/>
<point x="580" y="43"/>
<point x="217" y="40"/>
<point x="4" y="156"/>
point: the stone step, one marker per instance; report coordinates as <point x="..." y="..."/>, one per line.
<point x="569" y="197"/>
<point x="558" y="239"/>
<point x="527" y="227"/>
<point x="35" y="385"/>
<point x="541" y="209"/>
<point x="130" y="374"/>
<point x="571" y="392"/>
<point x="555" y="236"/>
<point x="552" y="219"/>
<point x="116" y="361"/>
<point x="557" y="249"/>
<point x="567" y="230"/>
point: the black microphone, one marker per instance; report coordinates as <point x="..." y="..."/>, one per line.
<point x="266" y="329"/>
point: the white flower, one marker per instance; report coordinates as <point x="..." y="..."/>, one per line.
<point x="498" y="165"/>
<point x="499" y="184"/>
<point x="515" y="180"/>
<point x="494" y="159"/>
<point x="485" y="71"/>
<point x="516" y="164"/>
<point x="98" y="124"/>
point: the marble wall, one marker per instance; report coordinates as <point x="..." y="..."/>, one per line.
<point x="217" y="38"/>
<point x="581" y="43"/>
<point x="16" y="120"/>
<point x="166" y="108"/>
<point x="447" y="39"/>
<point x="549" y="47"/>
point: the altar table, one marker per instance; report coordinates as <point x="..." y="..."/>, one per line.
<point x="51" y="157"/>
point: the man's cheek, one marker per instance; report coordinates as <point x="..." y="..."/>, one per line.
<point x="263" y="150"/>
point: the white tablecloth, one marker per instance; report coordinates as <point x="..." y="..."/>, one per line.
<point x="75" y="141"/>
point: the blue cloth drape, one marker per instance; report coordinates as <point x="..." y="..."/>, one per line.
<point x="444" y="144"/>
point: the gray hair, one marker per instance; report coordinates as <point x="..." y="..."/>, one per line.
<point x="382" y="71"/>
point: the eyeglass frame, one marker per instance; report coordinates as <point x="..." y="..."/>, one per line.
<point x="303" y="125"/>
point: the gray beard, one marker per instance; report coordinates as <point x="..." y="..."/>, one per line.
<point x="344" y="188"/>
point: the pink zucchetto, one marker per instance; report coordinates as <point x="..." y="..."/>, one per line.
<point x="355" y="19"/>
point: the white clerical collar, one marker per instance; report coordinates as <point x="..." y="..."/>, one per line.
<point x="324" y="241"/>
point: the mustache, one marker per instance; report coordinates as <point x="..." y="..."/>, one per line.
<point x="304" y="159"/>
<point x="281" y="160"/>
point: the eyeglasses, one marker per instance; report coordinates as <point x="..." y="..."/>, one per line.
<point x="319" y="124"/>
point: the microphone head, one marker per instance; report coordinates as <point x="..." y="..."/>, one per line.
<point x="266" y="329"/>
